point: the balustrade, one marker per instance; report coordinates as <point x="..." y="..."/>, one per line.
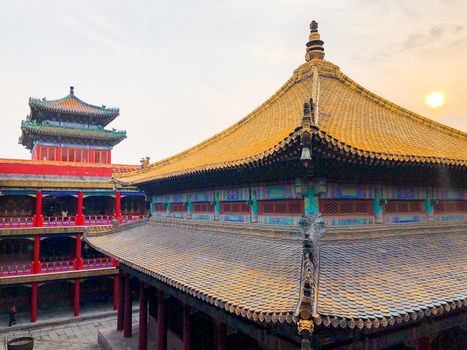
<point x="15" y="269"/>
<point x="132" y="217"/>
<point x="57" y="266"/>
<point x="93" y="263"/>
<point x="59" y="220"/>
<point x="16" y="221"/>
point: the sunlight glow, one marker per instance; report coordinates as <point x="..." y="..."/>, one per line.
<point x="435" y="99"/>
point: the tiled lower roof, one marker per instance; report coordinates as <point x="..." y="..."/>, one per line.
<point x="374" y="280"/>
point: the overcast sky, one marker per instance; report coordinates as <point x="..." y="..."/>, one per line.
<point x="181" y="71"/>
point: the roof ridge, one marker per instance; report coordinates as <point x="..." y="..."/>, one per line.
<point x="395" y="107"/>
<point x="32" y="124"/>
<point x="72" y="97"/>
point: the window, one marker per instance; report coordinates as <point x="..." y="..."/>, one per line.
<point x="345" y="207"/>
<point x="203" y="207"/>
<point x="71" y="155"/>
<point x="394" y="206"/>
<point x="178" y="208"/>
<point x="104" y="157"/>
<point x="64" y="155"/>
<point x="78" y="155"/>
<point x="450" y="206"/>
<point x="160" y="207"/>
<point x="97" y="157"/>
<point x="281" y="207"/>
<point x="85" y="155"/>
<point x="235" y="208"/>
<point x="51" y="154"/>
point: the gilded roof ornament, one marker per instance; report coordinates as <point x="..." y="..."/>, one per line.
<point x="314" y="47"/>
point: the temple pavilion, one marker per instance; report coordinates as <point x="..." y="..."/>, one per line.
<point x="328" y="218"/>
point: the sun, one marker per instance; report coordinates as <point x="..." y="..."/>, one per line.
<point x="435" y="99"/>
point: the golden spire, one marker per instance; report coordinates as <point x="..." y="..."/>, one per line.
<point x="314" y="47"/>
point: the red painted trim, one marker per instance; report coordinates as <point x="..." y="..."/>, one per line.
<point x="78" y="259"/>
<point x="37" y="263"/>
<point x="34" y="302"/>
<point x="76" y="297"/>
<point x="59" y="169"/>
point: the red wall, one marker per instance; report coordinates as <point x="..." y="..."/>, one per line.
<point x="48" y="169"/>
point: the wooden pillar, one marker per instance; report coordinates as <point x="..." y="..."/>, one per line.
<point x="79" y="214"/>
<point x="121" y="301"/>
<point x="127" y="309"/>
<point x="38" y="221"/>
<point x="186" y="327"/>
<point x="118" y="213"/>
<point x="221" y="336"/>
<point x="161" y="323"/>
<point x="424" y="343"/>
<point x="143" y="317"/>
<point x="378" y="206"/>
<point x="34" y="302"/>
<point x="76" y="297"/>
<point x="78" y="259"/>
<point x="115" y="298"/>
<point x="37" y="245"/>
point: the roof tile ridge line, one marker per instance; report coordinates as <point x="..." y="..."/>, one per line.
<point x="288" y="84"/>
<point x="40" y="102"/>
<point x="315" y="93"/>
<point x="379" y="155"/>
<point x="311" y="230"/>
<point x="246" y="160"/>
<point x="391" y="105"/>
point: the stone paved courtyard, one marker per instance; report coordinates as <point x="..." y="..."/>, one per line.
<point x="71" y="336"/>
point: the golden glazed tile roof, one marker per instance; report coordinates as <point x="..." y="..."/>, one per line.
<point x="347" y="116"/>
<point x="377" y="281"/>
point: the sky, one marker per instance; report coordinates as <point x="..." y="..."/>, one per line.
<point x="181" y="71"/>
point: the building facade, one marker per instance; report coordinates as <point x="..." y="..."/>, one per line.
<point x="328" y="218"/>
<point x="47" y="203"/>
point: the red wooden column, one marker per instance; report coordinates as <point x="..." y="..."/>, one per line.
<point x="161" y="323"/>
<point x="424" y="343"/>
<point x="34" y="302"/>
<point x="121" y="301"/>
<point x="116" y="285"/>
<point x="79" y="214"/>
<point x="76" y="297"/>
<point x="38" y="221"/>
<point x="186" y="327"/>
<point x="78" y="259"/>
<point x="143" y="317"/>
<point x="127" y="309"/>
<point x="118" y="213"/>
<point x="37" y="263"/>
<point x="221" y="336"/>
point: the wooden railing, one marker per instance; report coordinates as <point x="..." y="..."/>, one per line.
<point x="94" y="263"/>
<point x="15" y="269"/>
<point x="57" y="266"/>
<point x="16" y="221"/>
<point x="59" y="220"/>
<point x="90" y="220"/>
<point x="132" y="217"/>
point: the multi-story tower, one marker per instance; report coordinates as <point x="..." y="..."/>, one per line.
<point x="70" y="130"/>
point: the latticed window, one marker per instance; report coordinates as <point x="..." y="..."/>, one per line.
<point x="235" y="208"/>
<point x="394" y="206"/>
<point x="178" y="208"/>
<point x="281" y="207"/>
<point x="203" y="207"/>
<point x="345" y="207"/>
<point x="159" y="207"/>
<point x="450" y="206"/>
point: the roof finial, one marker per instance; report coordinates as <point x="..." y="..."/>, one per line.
<point x="72" y="90"/>
<point x="314" y="47"/>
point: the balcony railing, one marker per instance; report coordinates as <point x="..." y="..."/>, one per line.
<point x="15" y="269"/>
<point x="132" y="217"/>
<point x="95" y="263"/>
<point x="59" y="220"/>
<point x="16" y="221"/>
<point x="90" y="220"/>
<point x="57" y="266"/>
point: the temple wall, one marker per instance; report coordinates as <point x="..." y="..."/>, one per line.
<point x="339" y="203"/>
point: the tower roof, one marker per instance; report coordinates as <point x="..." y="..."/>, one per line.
<point x="346" y="117"/>
<point x="72" y="105"/>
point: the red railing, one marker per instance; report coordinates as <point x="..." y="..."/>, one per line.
<point x="94" y="263"/>
<point x="90" y="220"/>
<point x="16" y="221"/>
<point x="59" y="220"/>
<point x="132" y="217"/>
<point x="57" y="266"/>
<point x="15" y="269"/>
